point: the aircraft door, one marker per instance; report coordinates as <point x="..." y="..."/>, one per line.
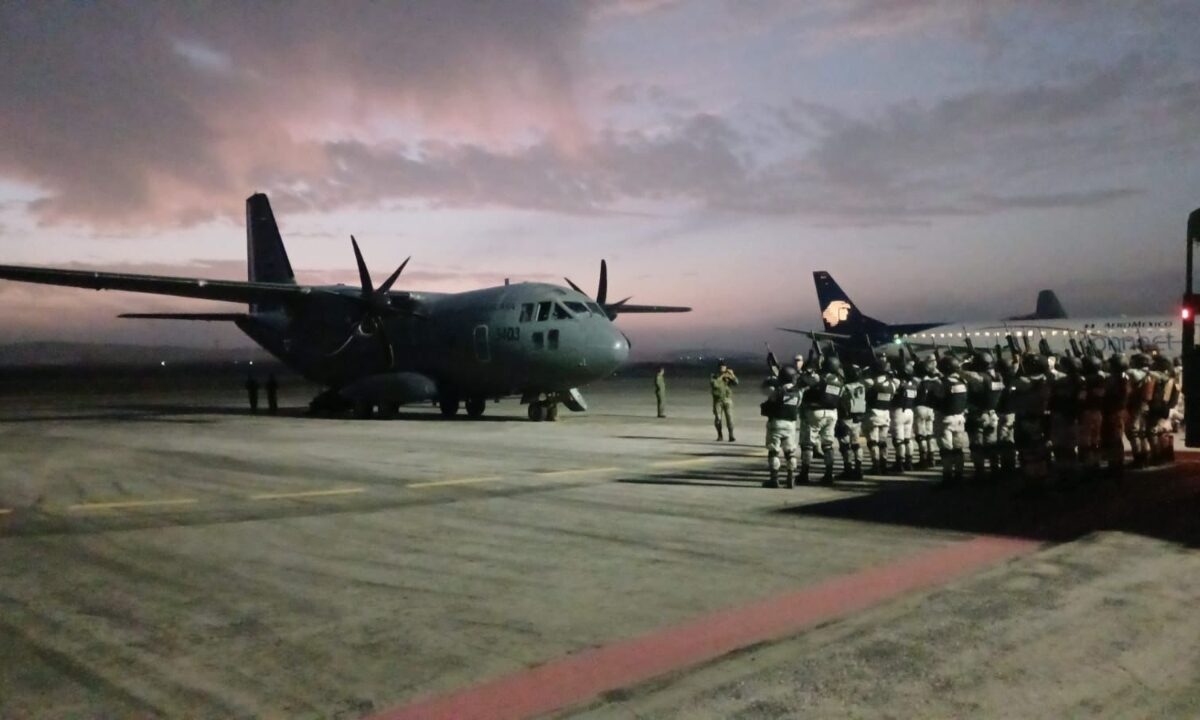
<point x="483" y="352"/>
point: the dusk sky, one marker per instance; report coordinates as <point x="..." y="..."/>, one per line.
<point x="943" y="159"/>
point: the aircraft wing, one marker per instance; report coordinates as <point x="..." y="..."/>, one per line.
<point x="817" y="333"/>
<point x="228" y="290"/>
<point x="206" y="317"/>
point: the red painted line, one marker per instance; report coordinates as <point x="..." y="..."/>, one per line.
<point x="582" y="676"/>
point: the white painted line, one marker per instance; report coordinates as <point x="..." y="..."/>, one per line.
<point x="308" y="494"/>
<point x="460" y="481"/>
<point x="578" y="471"/>
<point x="130" y="504"/>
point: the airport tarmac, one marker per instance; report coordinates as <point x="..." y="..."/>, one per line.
<point x="164" y="553"/>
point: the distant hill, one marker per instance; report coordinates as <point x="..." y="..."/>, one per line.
<point x="35" y="354"/>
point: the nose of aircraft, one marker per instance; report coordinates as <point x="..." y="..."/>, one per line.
<point x="613" y="349"/>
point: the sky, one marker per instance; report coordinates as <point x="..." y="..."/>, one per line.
<point x="943" y="159"/>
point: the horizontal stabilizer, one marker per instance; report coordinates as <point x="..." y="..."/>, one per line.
<point x="209" y="317"/>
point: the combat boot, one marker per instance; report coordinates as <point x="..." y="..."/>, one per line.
<point x="731" y="438"/>
<point x="908" y="464"/>
<point x="720" y="435"/>
<point x="791" y="478"/>
<point x="773" y="481"/>
<point x="858" y="473"/>
<point x="827" y="478"/>
<point x="802" y="478"/>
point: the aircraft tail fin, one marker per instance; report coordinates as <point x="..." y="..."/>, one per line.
<point x="1048" y="306"/>
<point x="838" y="312"/>
<point x="267" y="260"/>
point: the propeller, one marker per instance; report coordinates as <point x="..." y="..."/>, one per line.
<point x="610" y="309"/>
<point x="376" y="304"/>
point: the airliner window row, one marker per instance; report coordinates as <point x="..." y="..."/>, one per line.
<point x="999" y="334"/>
<point x="540" y="312"/>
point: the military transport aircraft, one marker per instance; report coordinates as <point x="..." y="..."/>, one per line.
<point x="378" y="348"/>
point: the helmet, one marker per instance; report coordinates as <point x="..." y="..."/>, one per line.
<point x="1118" y="363"/>
<point x="831" y="364"/>
<point x="1069" y="364"/>
<point x="949" y="364"/>
<point x="929" y="365"/>
<point x="1006" y="369"/>
<point x="985" y="359"/>
<point x="880" y="365"/>
<point x="906" y="369"/>
<point x="787" y="374"/>
<point x="1092" y="364"/>
<point x="1161" y="363"/>
<point x="853" y="373"/>
<point x="1140" y="360"/>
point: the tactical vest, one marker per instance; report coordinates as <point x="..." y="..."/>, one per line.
<point x="954" y="397"/>
<point x="830" y="395"/>
<point x="854" y="399"/>
<point x="1095" y="391"/>
<point x="1066" y="395"/>
<point x="784" y="404"/>
<point x="906" y="394"/>
<point x="1141" y="388"/>
<point x="925" y="391"/>
<point x="879" y="395"/>
<point x="1116" y="394"/>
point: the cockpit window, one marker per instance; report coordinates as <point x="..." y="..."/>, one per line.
<point x="526" y="312"/>
<point x="595" y="308"/>
<point x="577" y="307"/>
<point x="560" y="312"/>
<point x="544" y="311"/>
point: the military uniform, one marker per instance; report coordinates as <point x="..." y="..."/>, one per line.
<point x="903" y="418"/>
<point x="1091" y="418"/>
<point x="1066" y="401"/>
<point x="722" y="383"/>
<point x="984" y="389"/>
<point x="1141" y="390"/>
<point x="782" y="410"/>
<point x="822" y="416"/>
<point x="1030" y="397"/>
<point x="1006" y="420"/>
<point x="924" y="414"/>
<point x="252" y="393"/>
<point x="851" y="409"/>
<point x="881" y="388"/>
<point x="1116" y="414"/>
<point x="952" y="402"/>
<point x="1164" y="397"/>
<point x="660" y="392"/>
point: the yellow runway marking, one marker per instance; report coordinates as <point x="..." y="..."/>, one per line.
<point x="130" y="504"/>
<point x="460" y="481"/>
<point x="577" y="471"/>
<point x="308" y="494"/>
<point x="676" y="463"/>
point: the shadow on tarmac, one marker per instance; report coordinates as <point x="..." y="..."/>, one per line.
<point x="186" y="413"/>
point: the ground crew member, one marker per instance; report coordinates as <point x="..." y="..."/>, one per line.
<point x="1141" y="390"/>
<point x="984" y="388"/>
<point x="660" y="391"/>
<point x="1067" y="393"/>
<point x="1030" y="397"/>
<point x="782" y="410"/>
<point x="1116" y="414"/>
<point x="850" y="416"/>
<point x="1006" y="419"/>
<point x="951" y="396"/>
<point x="1091" y="416"/>
<point x="722" y="383"/>
<point x="1166" y="395"/>
<point x="881" y="388"/>
<point x="902" y="414"/>
<point x="924" y="415"/>
<point x="272" y="394"/>
<point x="252" y="392"/>
<point x="822" y="417"/>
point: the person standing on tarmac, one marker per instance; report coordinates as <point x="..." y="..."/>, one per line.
<point x="1141" y="390"/>
<point x="1066" y="401"/>
<point x="984" y="388"/>
<point x="1006" y="419"/>
<point x="881" y="388"/>
<point x="951" y="396"/>
<point x="252" y="392"/>
<point x="722" y="383"/>
<point x="1166" y="395"/>
<point x="660" y="391"/>
<point x="902" y="414"/>
<point x="822" y="418"/>
<point x="1091" y="417"/>
<point x="851" y="410"/>
<point x="1031" y="396"/>
<point x="1116" y="414"/>
<point x="782" y="410"/>
<point x="924" y="415"/>
<point x="272" y="394"/>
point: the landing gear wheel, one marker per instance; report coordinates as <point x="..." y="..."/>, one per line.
<point x="476" y="406"/>
<point x="537" y="411"/>
<point x="448" y="404"/>
<point x="552" y="412"/>
<point x="389" y="410"/>
<point x="363" y="409"/>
